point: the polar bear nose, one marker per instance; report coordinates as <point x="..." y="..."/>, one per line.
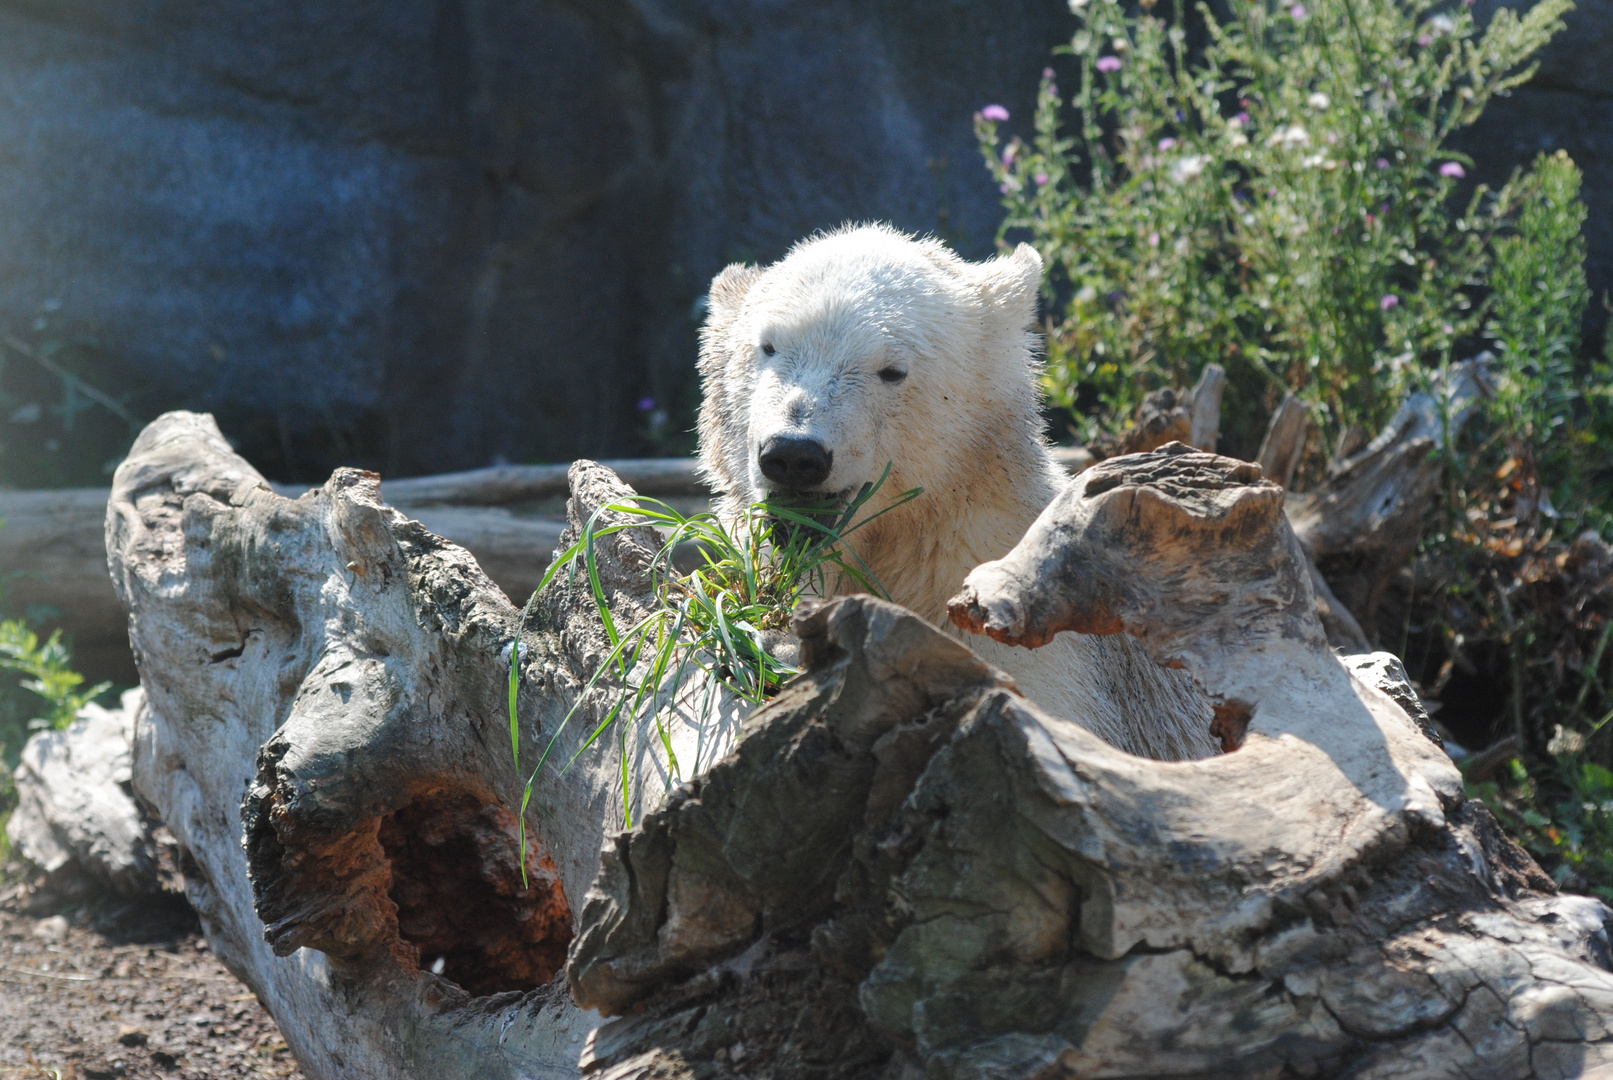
<point x="794" y="463"/>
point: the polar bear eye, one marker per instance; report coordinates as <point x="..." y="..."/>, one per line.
<point x="892" y="374"/>
<point x="767" y="348"/>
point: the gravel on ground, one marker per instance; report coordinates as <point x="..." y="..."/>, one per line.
<point x="104" y="989"/>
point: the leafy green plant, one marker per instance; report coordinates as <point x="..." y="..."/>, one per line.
<point x="47" y="674"/>
<point x="48" y="695"/>
<point x="1269" y="186"/>
<point x="1552" y="407"/>
<point x="1570" y="828"/>
<point x="712" y="621"/>
<point x="1277" y="201"/>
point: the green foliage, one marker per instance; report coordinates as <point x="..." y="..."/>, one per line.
<point x="46" y="695"/>
<point x="1553" y="407"/>
<point x="712" y="620"/>
<point x="1568" y="824"/>
<point x="1278" y="201"/>
<point x="1270" y="187"/>
<point x="54" y="695"/>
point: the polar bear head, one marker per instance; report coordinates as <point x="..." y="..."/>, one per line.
<point x="866" y="347"/>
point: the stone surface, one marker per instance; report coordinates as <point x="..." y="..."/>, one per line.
<point x="76" y="817"/>
<point x="421" y="236"/>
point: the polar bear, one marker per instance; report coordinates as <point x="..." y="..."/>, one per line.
<point x="865" y="347"/>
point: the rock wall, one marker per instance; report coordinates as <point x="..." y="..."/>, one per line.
<point x="426" y="234"/>
<point x="1567" y="106"/>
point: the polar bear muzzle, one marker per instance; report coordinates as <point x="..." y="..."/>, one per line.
<point x="792" y="463"/>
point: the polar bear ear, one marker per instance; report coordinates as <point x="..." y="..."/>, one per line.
<point x="1008" y="287"/>
<point x="728" y="291"/>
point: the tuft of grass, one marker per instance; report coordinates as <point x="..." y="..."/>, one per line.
<point x="711" y="623"/>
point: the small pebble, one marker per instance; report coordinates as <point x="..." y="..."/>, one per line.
<point x="130" y="1035"/>
<point x="52" y="929"/>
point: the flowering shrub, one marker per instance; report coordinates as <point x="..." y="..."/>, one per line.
<point x="1278" y="201"/>
<point x="1273" y="190"/>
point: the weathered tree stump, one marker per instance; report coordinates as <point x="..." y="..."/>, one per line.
<point x="903" y="867"/>
<point x="1170" y="415"/>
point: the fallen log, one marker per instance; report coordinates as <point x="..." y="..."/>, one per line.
<point x="53" y="544"/>
<point x="340" y="665"/>
<point x="1284" y="443"/>
<point x="903" y="866"/>
<point x="53" y="552"/>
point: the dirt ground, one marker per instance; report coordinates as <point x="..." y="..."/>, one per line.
<point x="110" y="989"/>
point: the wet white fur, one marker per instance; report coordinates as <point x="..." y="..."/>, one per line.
<point x="964" y="424"/>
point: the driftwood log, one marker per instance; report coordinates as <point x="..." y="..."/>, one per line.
<point x="509" y="517"/>
<point x="902" y="868"/>
<point x="1284" y="444"/>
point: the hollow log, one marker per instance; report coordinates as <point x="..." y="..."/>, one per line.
<point x="340" y="667"/>
<point x="1003" y="895"/>
<point x="902" y="868"/>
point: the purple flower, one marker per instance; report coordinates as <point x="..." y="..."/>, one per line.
<point x="994" y="112"/>
<point x="1242" y="118"/>
<point x="1452" y="170"/>
<point x="1108" y="64"/>
<point x="1041" y="179"/>
<point x="1047" y="73"/>
<point x="1423" y="41"/>
<point x="1389" y="302"/>
<point x="1383" y="163"/>
<point x="1298" y="11"/>
<point x="645" y="404"/>
<point x="1166" y="143"/>
<point x="1153" y="239"/>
